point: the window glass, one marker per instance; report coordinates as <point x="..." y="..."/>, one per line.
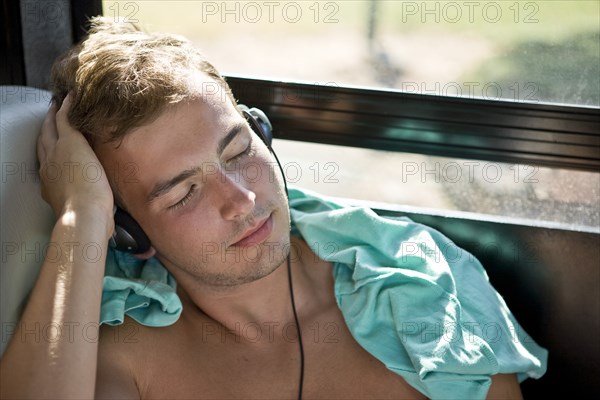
<point x="525" y="51"/>
<point x="510" y="190"/>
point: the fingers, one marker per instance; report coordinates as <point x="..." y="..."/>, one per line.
<point x="41" y="151"/>
<point x="48" y="134"/>
<point x="63" y="126"/>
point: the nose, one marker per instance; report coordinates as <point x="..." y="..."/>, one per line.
<point x="236" y="200"/>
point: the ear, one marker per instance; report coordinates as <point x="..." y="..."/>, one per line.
<point x="146" y="255"/>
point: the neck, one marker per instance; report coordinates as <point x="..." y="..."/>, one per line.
<point x="265" y="302"/>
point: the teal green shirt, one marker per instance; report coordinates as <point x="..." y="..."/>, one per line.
<point x="415" y="301"/>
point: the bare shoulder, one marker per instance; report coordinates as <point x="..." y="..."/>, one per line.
<point x="505" y="386"/>
<point x="117" y="351"/>
<point x="316" y="270"/>
<point x="315" y="266"/>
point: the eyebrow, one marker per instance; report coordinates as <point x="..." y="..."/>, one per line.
<point x="161" y="188"/>
<point x="233" y="132"/>
<point x="164" y="186"/>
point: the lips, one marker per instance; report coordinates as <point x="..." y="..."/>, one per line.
<point x="256" y="234"/>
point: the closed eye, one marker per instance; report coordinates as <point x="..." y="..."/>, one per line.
<point x="181" y="203"/>
<point x="249" y="151"/>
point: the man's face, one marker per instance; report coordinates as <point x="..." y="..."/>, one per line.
<point x="199" y="181"/>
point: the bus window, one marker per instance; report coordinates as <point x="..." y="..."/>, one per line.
<point x="527" y="52"/>
<point x="510" y="190"/>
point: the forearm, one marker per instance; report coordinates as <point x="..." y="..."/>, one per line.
<point x="53" y="352"/>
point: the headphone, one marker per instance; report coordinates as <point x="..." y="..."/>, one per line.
<point x="131" y="238"/>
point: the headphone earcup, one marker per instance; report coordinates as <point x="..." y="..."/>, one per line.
<point x="259" y="123"/>
<point x="128" y="235"/>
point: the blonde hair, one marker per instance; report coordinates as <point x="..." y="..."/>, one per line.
<point x="121" y="78"/>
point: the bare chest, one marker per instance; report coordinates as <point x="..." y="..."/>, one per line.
<point x="263" y="361"/>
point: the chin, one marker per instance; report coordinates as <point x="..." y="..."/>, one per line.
<point x="248" y="271"/>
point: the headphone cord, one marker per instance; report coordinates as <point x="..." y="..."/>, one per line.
<point x="289" y="267"/>
<point x="298" y="330"/>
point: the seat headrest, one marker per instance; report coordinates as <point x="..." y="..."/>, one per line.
<point x="27" y="220"/>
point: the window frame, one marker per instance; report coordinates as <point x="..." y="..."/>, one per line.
<point x="550" y="135"/>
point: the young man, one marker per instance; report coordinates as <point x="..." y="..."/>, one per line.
<point x="125" y="98"/>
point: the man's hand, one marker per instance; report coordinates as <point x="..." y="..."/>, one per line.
<point x="72" y="178"/>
